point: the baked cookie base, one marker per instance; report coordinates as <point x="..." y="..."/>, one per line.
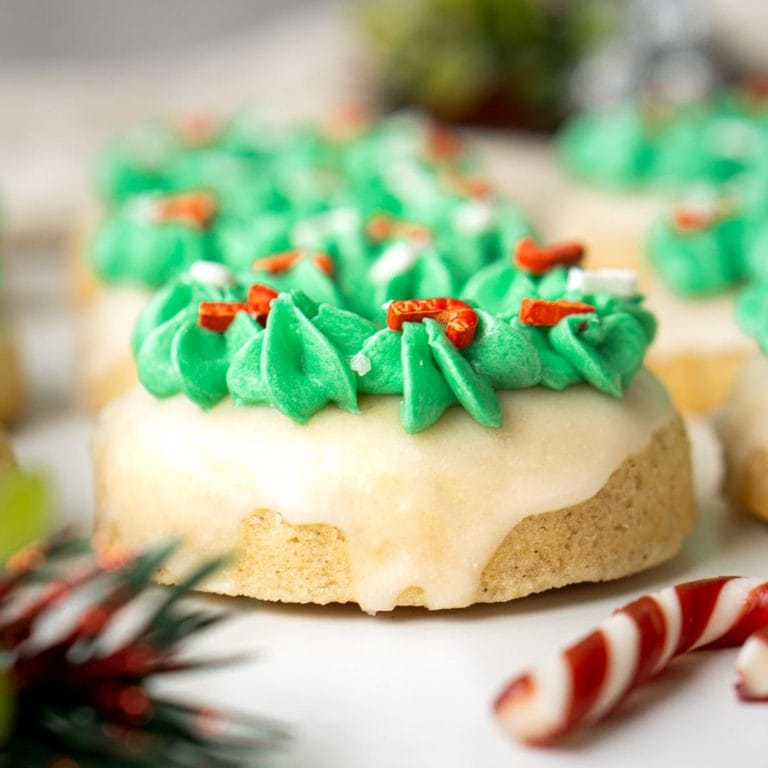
<point x="633" y="520"/>
<point x="639" y="519"/>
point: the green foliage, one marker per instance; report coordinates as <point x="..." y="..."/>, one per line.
<point x="71" y="701"/>
<point x="23" y="511"/>
<point x="498" y="61"/>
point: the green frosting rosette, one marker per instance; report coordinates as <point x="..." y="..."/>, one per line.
<point x="305" y="275"/>
<point x="702" y="258"/>
<point x="137" y="244"/>
<point x="136" y="162"/>
<point x="501" y="286"/>
<point x="299" y="363"/>
<point x="300" y="356"/>
<point x="161" y="156"/>
<point x="173" y="353"/>
<point x="649" y="142"/>
<point x="613" y="148"/>
<point x="422" y="365"/>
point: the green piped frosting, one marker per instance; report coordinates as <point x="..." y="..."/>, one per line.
<point x="311" y="355"/>
<point x="298" y="363"/>
<point x="268" y="183"/>
<point x="500" y="287"/>
<point x="173" y="354"/>
<point x="614" y="148"/>
<point x="130" y="247"/>
<point x="658" y="143"/>
<point x="720" y="144"/>
<point x="426" y="369"/>
<point x="701" y="262"/>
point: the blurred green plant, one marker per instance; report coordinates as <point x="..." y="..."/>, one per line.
<point x="23" y="510"/>
<point x="496" y="62"/>
<point x="68" y="700"/>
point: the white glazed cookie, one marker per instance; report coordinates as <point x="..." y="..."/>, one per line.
<point x="575" y="486"/>
<point x="106" y="368"/>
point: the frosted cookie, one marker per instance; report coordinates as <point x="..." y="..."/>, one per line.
<point x="441" y="456"/>
<point x="386" y="199"/>
<point x="703" y="164"/>
<point x="743" y="420"/>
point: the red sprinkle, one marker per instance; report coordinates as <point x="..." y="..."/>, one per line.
<point x="540" y="259"/>
<point x="442" y="143"/>
<point x="382" y="226"/>
<point x="459" y="318"/>
<point x="348" y="122"/>
<point x="689" y="220"/>
<point x="199" y="130"/>
<point x="755" y="89"/>
<point x="197" y="209"/>
<point x="259" y="301"/>
<point x="476" y="187"/>
<point x="549" y="313"/>
<point x="281" y="262"/>
<point x="218" y="315"/>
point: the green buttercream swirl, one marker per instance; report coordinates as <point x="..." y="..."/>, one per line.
<point x="173" y="353"/>
<point x="313" y="354"/>
<point x="700" y="262"/>
<point x="299" y="363"/>
<point x="422" y="365"/>
<point x="129" y="247"/>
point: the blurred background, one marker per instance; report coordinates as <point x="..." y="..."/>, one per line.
<point x="71" y="73"/>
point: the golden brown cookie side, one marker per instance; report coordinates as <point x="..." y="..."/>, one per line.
<point x="746" y="484"/>
<point x="637" y="520"/>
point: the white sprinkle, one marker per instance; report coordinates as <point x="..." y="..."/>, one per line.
<point x="211" y="273"/>
<point x="360" y="364"/>
<point x="618" y="282"/>
<point x="144" y="207"/>
<point x="474" y="217"/>
<point x="395" y="260"/>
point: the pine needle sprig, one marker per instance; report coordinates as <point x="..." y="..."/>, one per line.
<point x="81" y="697"/>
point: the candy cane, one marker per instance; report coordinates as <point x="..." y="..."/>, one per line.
<point x="459" y="318"/>
<point x="583" y="683"/>
<point x="282" y="262"/>
<point x="540" y="259"/>
<point x="752" y="668"/>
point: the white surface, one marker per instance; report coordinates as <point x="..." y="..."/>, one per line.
<point x="413" y="688"/>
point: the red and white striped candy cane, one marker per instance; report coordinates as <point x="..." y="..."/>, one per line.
<point x="752" y="668"/>
<point x="583" y="683"/>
